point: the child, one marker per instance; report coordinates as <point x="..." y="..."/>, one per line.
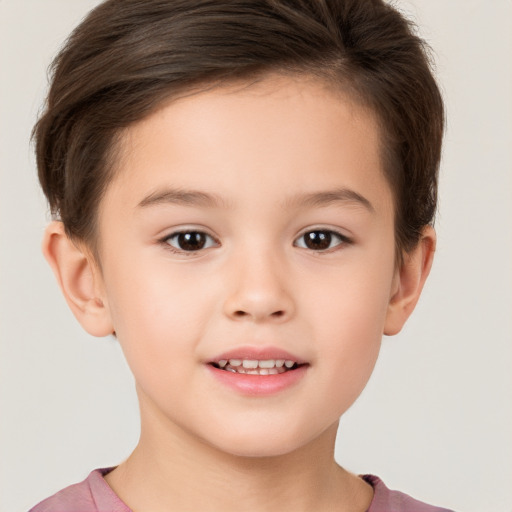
<point x="243" y="194"/>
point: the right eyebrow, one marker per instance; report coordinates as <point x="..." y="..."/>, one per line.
<point x="327" y="197"/>
<point x="182" y="197"/>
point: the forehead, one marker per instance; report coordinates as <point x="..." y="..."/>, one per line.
<point x="277" y="135"/>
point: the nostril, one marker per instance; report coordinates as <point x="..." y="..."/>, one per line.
<point x="241" y="314"/>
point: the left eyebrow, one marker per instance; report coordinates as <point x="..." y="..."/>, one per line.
<point x="181" y="197"/>
<point x="325" y="198"/>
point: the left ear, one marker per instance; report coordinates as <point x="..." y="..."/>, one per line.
<point x="79" y="278"/>
<point x="409" y="281"/>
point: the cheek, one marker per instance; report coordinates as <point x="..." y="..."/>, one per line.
<point x="149" y="293"/>
<point x="156" y="314"/>
<point x="352" y="301"/>
<point x="349" y="319"/>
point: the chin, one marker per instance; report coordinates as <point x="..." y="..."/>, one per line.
<point x="260" y="451"/>
<point x="263" y="443"/>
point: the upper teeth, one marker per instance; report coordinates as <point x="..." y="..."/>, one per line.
<point x="255" y="363"/>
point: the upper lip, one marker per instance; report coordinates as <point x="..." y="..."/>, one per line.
<point x="257" y="353"/>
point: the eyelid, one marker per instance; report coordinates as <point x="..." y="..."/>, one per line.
<point x="343" y="239"/>
<point x="164" y="240"/>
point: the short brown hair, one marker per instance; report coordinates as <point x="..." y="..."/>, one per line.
<point x="128" y="56"/>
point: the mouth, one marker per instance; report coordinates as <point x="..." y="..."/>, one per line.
<point x="258" y="371"/>
<point x="257" y="366"/>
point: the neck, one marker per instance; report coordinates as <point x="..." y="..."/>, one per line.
<point x="171" y="470"/>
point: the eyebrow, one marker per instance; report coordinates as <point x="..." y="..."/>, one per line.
<point x="181" y="197"/>
<point x="328" y="197"/>
<point x="198" y="198"/>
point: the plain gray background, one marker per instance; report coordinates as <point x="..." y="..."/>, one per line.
<point x="436" y="418"/>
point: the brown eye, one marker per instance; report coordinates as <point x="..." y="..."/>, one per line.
<point x="190" y="241"/>
<point x="320" y="240"/>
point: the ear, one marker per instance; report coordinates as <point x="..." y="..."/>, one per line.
<point x="79" y="279"/>
<point x="409" y="281"/>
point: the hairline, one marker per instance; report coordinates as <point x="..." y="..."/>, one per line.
<point x="336" y="81"/>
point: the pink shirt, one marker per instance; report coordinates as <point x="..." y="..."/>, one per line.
<point x="95" y="495"/>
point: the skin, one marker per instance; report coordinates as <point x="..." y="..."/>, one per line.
<point x="259" y="152"/>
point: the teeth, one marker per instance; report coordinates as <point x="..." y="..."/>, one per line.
<point x="256" y="367"/>
<point x="252" y="364"/>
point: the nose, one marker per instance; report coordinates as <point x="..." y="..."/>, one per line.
<point x="259" y="291"/>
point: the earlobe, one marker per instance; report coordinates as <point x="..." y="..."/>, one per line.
<point x="410" y="278"/>
<point x="79" y="280"/>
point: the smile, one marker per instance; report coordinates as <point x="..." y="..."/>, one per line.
<point x="258" y="371"/>
<point x="256" y="366"/>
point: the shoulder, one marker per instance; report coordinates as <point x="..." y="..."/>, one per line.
<point x="91" y="495"/>
<point x="385" y="499"/>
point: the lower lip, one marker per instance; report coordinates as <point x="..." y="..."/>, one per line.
<point x="259" y="385"/>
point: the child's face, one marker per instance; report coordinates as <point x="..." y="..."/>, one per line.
<point x="286" y="252"/>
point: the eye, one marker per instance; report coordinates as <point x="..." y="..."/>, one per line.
<point x="320" y="240"/>
<point x="189" y="241"/>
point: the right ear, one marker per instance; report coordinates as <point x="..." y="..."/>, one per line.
<point x="79" y="279"/>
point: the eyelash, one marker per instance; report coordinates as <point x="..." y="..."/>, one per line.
<point x="210" y="241"/>
<point x="323" y="236"/>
